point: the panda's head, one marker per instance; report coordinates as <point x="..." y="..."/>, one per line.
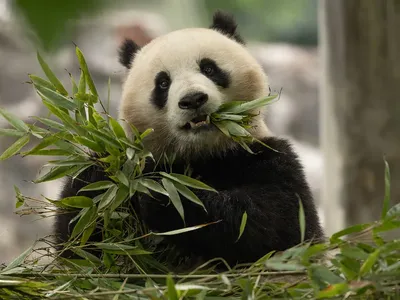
<point x="178" y="79"/>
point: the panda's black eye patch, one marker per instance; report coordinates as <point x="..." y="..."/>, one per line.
<point x="159" y="95"/>
<point x="210" y="69"/>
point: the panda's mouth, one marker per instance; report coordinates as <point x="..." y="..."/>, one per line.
<point x="199" y="122"/>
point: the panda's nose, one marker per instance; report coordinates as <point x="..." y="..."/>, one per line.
<point x="193" y="101"/>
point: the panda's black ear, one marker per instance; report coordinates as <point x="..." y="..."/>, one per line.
<point x="226" y="24"/>
<point x="127" y="52"/>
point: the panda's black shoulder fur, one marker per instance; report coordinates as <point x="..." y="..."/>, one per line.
<point x="266" y="185"/>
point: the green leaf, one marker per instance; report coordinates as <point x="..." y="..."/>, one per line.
<point x="47" y="141"/>
<point x="89" y="143"/>
<point x="108" y="197"/>
<point x="386" y="201"/>
<point x="117" y="129"/>
<point x="121" y="249"/>
<point x="11" y="132"/>
<point x="188" y="194"/>
<point x="82" y="83"/>
<point x="88" y="216"/>
<point x="77" y="201"/>
<point x="51" y="123"/>
<point x="352" y="229"/>
<point x="233" y="128"/>
<point x="369" y="262"/>
<point x="56" y="99"/>
<point x="52" y="152"/>
<point x="42" y="82"/>
<point x="72" y="162"/>
<point x="69" y="123"/>
<point x="188" y="181"/>
<point x="322" y="276"/>
<point x="146" y="133"/>
<point x="84" y="67"/>
<point x="393" y="212"/>
<point x="18" y="260"/>
<point x="174" y="197"/>
<point x="122" y="178"/>
<point x="56" y="173"/>
<point x="14" y="121"/>
<point x="333" y="290"/>
<point x="87" y="255"/>
<point x="302" y="220"/>
<point x="120" y="197"/>
<point x="87" y="233"/>
<point x="50" y="75"/>
<point x="242" y="225"/>
<point x="15" y="147"/>
<point x="183" y="230"/>
<point x="172" y="292"/>
<point x="96" y="186"/>
<point x="153" y="185"/>
<point x="237" y="107"/>
<point x="104" y="137"/>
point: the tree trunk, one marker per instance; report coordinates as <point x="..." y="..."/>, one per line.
<point x="360" y="107"/>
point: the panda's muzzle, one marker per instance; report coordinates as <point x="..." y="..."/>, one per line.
<point x="194" y="102"/>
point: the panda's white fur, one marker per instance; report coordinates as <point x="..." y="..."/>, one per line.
<point x="178" y="53"/>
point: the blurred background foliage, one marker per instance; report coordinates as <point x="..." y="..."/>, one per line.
<point x="294" y="21"/>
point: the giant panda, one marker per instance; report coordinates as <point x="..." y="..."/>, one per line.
<point x="172" y="84"/>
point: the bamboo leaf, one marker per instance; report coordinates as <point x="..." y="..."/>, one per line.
<point x="120" y="197"/>
<point x="77" y="201"/>
<point x="188" y="194"/>
<point x="302" y="220"/>
<point x="242" y="225"/>
<point x="52" y="152"/>
<point x="186" y="180"/>
<point x="104" y="137"/>
<point x="393" y="212"/>
<point x="183" y="230"/>
<point x="108" y="197"/>
<point x="333" y="290"/>
<point x="84" y="67"/>
<point x="386" y="201"/>
<point x="96" y="186"/>
<point x="50" y="75"/>
<point x="352" y="229"/>
<point x="172" y="292"/>
<point x="11" y="132"/>
<point x="18" y="260"/>
<point x="56" y="173"/>
<point x="369" y="262"/>
<point x="42" y="82"/>
<point x="117" y="129"/>
<point x="322" y="276"/>
<point x="153" y="185"/>
<point x="56" y="99"/>
<point x="88" y="215"/>
<point x="51" y="123"/>
<point x="95" y="146"/>
<point x="121" y="249"/>
<point x="174" y="196"/>
<point x="15" y="147"/>
<point x="14" y="121"/>
<point x="237" y="107"/>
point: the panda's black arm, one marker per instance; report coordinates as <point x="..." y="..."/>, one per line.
<point x="267" y="187"/>
<point x="62" y="226"/>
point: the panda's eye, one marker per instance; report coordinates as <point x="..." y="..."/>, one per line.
<point x="163" y="84"/>
<point x="208" y="70"/>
